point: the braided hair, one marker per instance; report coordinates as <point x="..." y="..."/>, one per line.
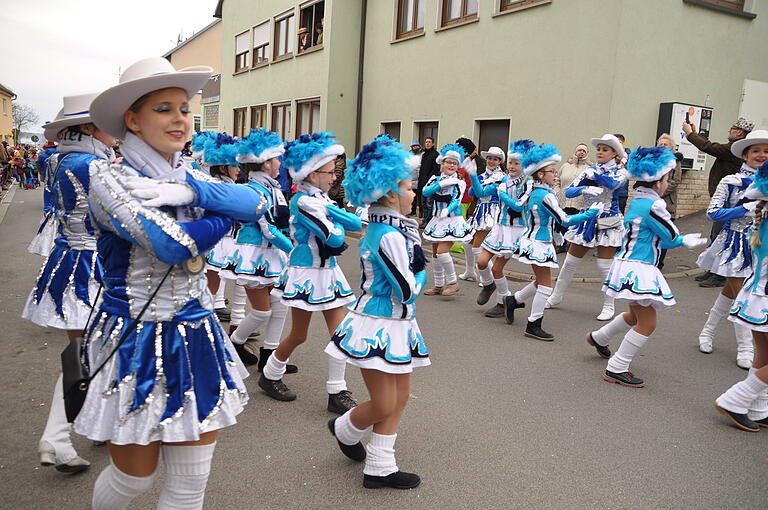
<point x="758" y="220"/>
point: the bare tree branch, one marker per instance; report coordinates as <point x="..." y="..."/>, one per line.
<point x="23" y="115"/>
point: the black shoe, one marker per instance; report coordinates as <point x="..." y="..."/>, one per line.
<point x="627" y="379"/>
<point x="486" y="293"/>
<point x="495" y="312"/>
<point x="715" y="280"/>
<point x="397" y="480"/>
<point x="602" y="350"/>
<point x="355" y="452"/>
<point x="762" y="423"/>
<point x="246" y="356"/>
<point x="341" y="402"/>
<point x="703" y="276"/>
<point x="510" y="305"/>
<point x="264" y="356"/>
<point x="254" y="336"/>
<point x="223" y="314"/>
<point x="533" y="330"/>
<point x="740" y="420"/>
<point x="276" y="389"/>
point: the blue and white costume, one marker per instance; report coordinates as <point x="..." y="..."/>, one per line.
<point x="450" y="225"/>
<point x="69" y="279"/>
<point x="42" y="243"/>
<point x="313" y="279"/>
<point x="606" y="229"/>
<point x="730" y="254"/>
<point x="750" y="307"/>
<point x="502" y="241"/>
<point x="218" y="257"/>
<point x="175" y="376"/>
<point x="380" y="331"/>
<point x="485" y="187"/>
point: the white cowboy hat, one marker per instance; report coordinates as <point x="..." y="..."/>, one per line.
<point x="493" y="151"/>
<point x="76" y="111"/>
<point x="755" y="137"/>
<point x="141" y="78"/>
<point x="612" y="142"/>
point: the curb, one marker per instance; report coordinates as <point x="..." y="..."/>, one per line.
<point x="6" y="201"/>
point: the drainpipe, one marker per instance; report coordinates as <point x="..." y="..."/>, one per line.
<point x="360" y="67"/>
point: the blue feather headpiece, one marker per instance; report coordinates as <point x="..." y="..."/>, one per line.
<point x="452" y="151"/>
<point x="538" y="157"/>
<point x="378" y="169"/>
<point x="220" y="151"/>
<point x="198" y="144"/>
<point x="758" y="190"/>
<point x="518" y="148"/>
<point x="258" y="146"/>
<point x="309" y="152"/>
<point x="650" y="164"/>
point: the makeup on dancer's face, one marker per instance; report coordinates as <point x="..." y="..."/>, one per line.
<point x="514" y="167"/>
<point x="449" y="166"/>
<point x="604" y="153"/>
<point x="163" y="121"/>
<point x="492" y="162"/>
<point x="756" y="155"/>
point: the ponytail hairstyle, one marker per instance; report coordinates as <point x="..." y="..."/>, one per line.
<point x="758" y="220"/>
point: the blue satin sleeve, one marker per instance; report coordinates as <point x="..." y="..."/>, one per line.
<point x="730" y="213"/>
<point x="507" y="200"/>
<point x="478" y="190"/>
<point x="349" y="221"/>
<point x="573" y="191"/>
<point x="430" y="189"/>
<point x="607" y="181"/>
<point x="279" y="240"/>
<point x="233" y="200"/>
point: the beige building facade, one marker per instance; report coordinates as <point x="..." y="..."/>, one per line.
<point x="6" y="114"/>
<point x="558" y="71"/>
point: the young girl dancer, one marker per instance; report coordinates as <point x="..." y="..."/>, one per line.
<point x="729" y="254"/>
<point x="487" y="210"/>
<point x="634" y="275"/>
<point x="173" y="382"/>
<point x="599" y="183"/>
<point x="380" y="334"/>
<point x="67" y="285"/>
<point x="535" y="246"/>
<point x="501" y="242"/>
<point x="746" y="402"/>
<point x="313" y="281"/>
<point x="447" y="225"/>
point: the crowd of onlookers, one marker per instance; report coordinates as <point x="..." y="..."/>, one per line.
<point x="23" y="164"/>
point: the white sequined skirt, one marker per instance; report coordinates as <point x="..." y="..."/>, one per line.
<point x="730" y="255"/>
<point x="42" y="243"/>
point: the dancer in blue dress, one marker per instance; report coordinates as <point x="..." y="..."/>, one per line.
<point x="634" y="275"/>
<point x="380" y="334"/>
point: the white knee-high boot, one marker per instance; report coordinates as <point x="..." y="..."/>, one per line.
<point x="56" y="432"/>
<point x="604" y="265"/>
<point x="745" y="349"/>
<point x="470" y="253"/>
<point x="564" y="278"/>
<point x="114" y="490"/>
<point x="716" y="314"/>
<point x="186" y="474"/>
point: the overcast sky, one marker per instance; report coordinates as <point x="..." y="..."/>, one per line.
<point x="55" y="48"/>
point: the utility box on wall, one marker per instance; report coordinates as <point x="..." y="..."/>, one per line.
<point x="671" y="118"/>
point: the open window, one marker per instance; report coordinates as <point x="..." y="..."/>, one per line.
<point x="261" y="44"/>
<point x="311" y="26"/>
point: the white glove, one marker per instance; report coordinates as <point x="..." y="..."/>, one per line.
<point x="448" y="182"/>
<point x="592" y="191"/>
<point x="444" y="213"/>
<point x="597" y="205"/>
<point x="159" y="193"/>
<point x="693" y="240"/>
<point x="750" y="206"/>
<point x="469" y="166"/>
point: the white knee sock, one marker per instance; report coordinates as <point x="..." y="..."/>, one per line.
<point x="614" y="328"/>
<point x="114" y="490"/>
<point x="438" y="273"/>
<point x="539" y="302"/>
<point x="219" y="301"/>
<point x="380" y="458"/>
<point x="186" y="475"/>
<point x="274" y="327"/>
<point x="345" y="431"/>
<point x="475" y="253"/>
<point x="741" y="396"/>
<point x="564" y="277"/>
<point x="716" y="314"/>
<point x="237" y="310"/>
<point x="604" y="265"/>
<point x="470" y="254"/>
<point x="621" y="359"/>
<point x="252" y="322"/>
<point x="57" y="428"/>
<point x="336" y="371"/>
<point x="502" y="289"/>
<point x="758" y="410"/>
<point x="274" y="369"/>
<point x="445" y="260"/>
<point x="486" y="277"/>
<point x="526" y="293"/>
<point x="744" y="347"/>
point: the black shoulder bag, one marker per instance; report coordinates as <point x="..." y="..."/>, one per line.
<point x="76" y="378"/>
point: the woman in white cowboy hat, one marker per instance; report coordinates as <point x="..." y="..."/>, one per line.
<point x="730" y="254"/>
<point x="601" y="182"/>
<point x="68" y="282"/>
<point x="175" y="379"/>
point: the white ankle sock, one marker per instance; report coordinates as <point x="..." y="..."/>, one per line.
<point x="274" y="327"/>
<point x="486" y="277"/>
<point x="237" y="308"/>
<point x="345" y="431"/>
<point x="274" y="369"/>
<point x="57" y="427"/>
<point x="758" y="410"/>
<point x="502" y="289"/>
<point x="114" y="490"/>
<point x="539" y="302"/>
<point x="380" y="458"/>
<point x="614" y="328"/>
<point x="219" y="301"/>
<point x="716" y="314"/>
<point x="526" y="293"/>
<point x="741" y="396"/>
<point x="445" y="260"/>
<point x="565" y="276"/>
<point x="336" y="371"/>
<point x="247" y="326"/>
<point x="438" y="273"/>
<point x="621" y="359"/>
<point x="186" y="475"/>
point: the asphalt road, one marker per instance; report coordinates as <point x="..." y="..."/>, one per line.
<point x="497" y="421"/>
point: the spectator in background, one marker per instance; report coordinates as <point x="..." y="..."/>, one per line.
<point x="725" y="164"/>
<point x="336" y="193"/>
<point x="429" y="167"/>
<point x="417" y="154"/>
<point x="624" y="190"/>
<point x="675" y="178"/>
<point x="319" y="32"/>
<point x="304" y="39"/>
<point x="568" y="172"/>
